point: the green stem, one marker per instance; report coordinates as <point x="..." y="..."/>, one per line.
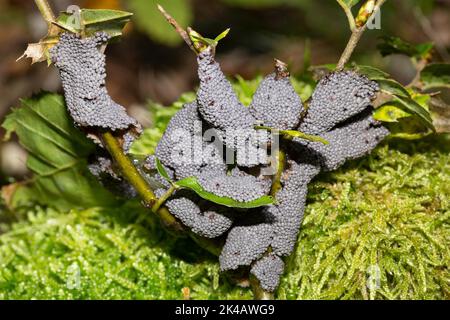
<point x="132" y="175"/>
<point x="351" y="45"/>
<point x="213" y="246"/>
<point x="258" y="292"/>
<point x="276" y="184"/>
<point x="158" y="204"/>
<point x="128" y="169"/>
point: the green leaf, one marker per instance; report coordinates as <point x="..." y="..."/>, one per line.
<point x="400" y="95"/>
<point x="193" y="184"/>
<point x="90" y="21"/>
<point x="390" y="113"/>
<point x="222" y="35"/>
<point x="246" y="89"/>
<point x="371" y="72"/>
<point x="150" y="20"/>
<point x="161" y="170"/>
<point x="410" y="128"/>
<point x="201" y="43"/>
<point x="394" y="45"/>
<point x="436" y="75"/>
<point x="415" y="108"/>
<point x="391" y="86"/>
<point x="387" y="84"/>
<point x="57" y="156"/>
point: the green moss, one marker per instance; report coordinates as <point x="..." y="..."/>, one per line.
<point x="386" y="217"/>
<point x="94" y="254"/>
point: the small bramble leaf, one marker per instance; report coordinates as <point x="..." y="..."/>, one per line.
<point x="394" y="45"/>
<point x="400" y="95"/>
<point x="57" y="155"/>
<point x="222" y="35"/>
<point x="90" y="21"/>
<point x="85" y="21"/>
<point x="161" y="170"/>
<point x="193" y="184"/>
<point x="201" y="43"/>
<point x="390" y="113"/>
<point x="436" y="75"/>
<point x="391" y="86"/>
<point x="415" y="108"/>
<point x="410" y="128"/>
<point x="371" y="72"/>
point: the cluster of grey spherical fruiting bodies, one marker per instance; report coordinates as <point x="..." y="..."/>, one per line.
<point x="339" y="111"/>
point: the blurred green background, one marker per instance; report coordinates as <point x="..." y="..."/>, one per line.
<point x="151" y="62"/>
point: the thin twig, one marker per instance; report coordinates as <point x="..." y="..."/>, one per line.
<point x="46" y="11"/>
<point x="182" y="32"/>
<point x="349" y="14"/>
<point x="415" y="83"/>
<point x="124" y="163"/>
<point x="164" y="198"/>
<point x="48" y="15"/>
<point x="351" y="45"/>
<point x="432" y="34"/>
<point x="356" y="37"/>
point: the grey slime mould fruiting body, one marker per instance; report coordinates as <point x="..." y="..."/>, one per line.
<point x="220" y="107"/>
<point x="244" y="245"/>
<point x="209" y="223"/>
<point x="276" y="104"/>
<point x="338" y="97"/>
<point x="217" y="101"/>
<point x="268" y="270"/>
<point x="242" y="188"/>
<point x="82" y="69"/>
<point x="340" y="111"/>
